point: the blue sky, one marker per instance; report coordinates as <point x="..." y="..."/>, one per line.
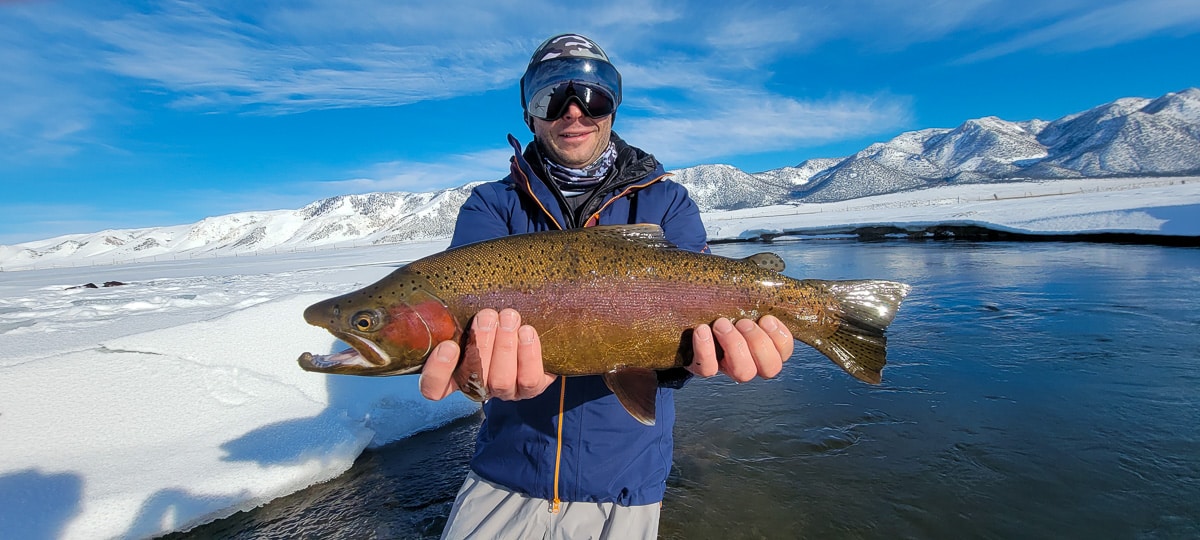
<point x="138" y="114"/>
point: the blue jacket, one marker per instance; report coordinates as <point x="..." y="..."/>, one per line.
<point x="607" y="455"/>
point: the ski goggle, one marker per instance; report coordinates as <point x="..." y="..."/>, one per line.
<point x="549" y="86"/>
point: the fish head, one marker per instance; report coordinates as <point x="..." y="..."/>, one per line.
<point x="390" y="330"/>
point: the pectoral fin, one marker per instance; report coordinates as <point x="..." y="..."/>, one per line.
<point x="470" y="381"/>
<point x="637" y="390"/>
<point x="469" y="373"/>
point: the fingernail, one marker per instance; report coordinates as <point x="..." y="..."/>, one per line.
<point x="745" y="325"/>
<point x="768" y="324"/>
<point x="509" y="320"/>
<point x="484" y="322"/>
<point x="440" y="354"/>
<point x="526" y="334"/>
<point x="722" y="326"/>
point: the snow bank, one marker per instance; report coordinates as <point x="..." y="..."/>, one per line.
<point x="112" y="433"/>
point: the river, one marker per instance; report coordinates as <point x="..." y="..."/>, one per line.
<point x="1034" y="390"/>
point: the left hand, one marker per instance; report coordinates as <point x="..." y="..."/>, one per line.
<point x="751" y="349"/>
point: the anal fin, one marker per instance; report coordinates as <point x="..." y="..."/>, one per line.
<point x="637" y="390"/>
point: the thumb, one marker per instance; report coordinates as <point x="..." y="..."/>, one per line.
<point x="437" y="376"/>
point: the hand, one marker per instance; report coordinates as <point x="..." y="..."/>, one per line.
<point x="750" y="349"/>
<point x="507" y="353"/>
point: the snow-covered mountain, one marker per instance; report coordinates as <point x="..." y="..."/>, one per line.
<point x="372" y="218"/>
<point x="1128" y="137"/>
<point x="725" y="187"/>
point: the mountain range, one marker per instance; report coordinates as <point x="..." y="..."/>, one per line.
<point x="1127" y="137"/>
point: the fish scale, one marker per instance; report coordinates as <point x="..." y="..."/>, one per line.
<point x="618" y="301"/>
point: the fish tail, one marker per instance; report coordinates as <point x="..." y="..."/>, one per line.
<point x="850" y="329"/>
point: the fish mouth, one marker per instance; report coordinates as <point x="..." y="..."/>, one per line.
<point x="327" y="363"/>
<point x="352" y="360"/>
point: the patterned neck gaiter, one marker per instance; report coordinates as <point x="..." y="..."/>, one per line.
<point x="574" y="181"/>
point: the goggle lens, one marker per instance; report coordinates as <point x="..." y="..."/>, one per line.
<point x="593" y="101"/>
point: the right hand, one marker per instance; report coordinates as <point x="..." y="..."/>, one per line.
<point x="509" y="356"/>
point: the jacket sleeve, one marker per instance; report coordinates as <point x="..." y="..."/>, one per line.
<point x="681" y="223"/>
<point x="482" y="217"/>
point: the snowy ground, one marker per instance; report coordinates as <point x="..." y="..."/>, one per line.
<point x="175" y="399"/>
<point x="1136" y="205"/>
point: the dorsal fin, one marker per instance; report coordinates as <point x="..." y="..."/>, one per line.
<point x="644" y="234"/>
<point x="767" y="261"/>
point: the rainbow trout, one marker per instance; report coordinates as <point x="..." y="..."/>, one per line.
<point x="618" y="301"/>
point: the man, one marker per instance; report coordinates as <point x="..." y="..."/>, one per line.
<point x="558" y="457"/>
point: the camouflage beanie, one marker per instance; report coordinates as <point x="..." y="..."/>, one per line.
<point x="567" y="45"/>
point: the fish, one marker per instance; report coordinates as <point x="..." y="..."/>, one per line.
<point x="618" y="301"/>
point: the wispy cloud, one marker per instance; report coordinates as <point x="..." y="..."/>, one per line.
<point x="273" y="63"/>
<point x="748" y="124"/>
<point x="73" y="87"/>
<point x="1101" y="26"/>
<point x="448" y="171"/>
<point x="276" y="58"/>
<point x="47" y="103"/>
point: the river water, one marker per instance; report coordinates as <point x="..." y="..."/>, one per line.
<point x="1034" y="390"/>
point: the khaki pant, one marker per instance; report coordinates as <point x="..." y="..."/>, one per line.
<point x="484" y="510"/>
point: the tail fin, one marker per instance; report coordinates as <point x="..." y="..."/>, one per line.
<point x="858" y="343"/>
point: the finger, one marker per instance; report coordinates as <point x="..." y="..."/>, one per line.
<point x="437" y="377"/>
<point x="762" y="349"/>
<point x="532" y="378"/>
<point x="785" y="343"/>
<point x="737" y="362"/>
<point x="502" y="378"/>
<point x="704" y="352"/>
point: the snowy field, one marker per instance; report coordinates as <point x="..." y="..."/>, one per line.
<point x="175" y="399"/>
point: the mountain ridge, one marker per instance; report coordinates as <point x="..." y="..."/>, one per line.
<point x="1126" y="137"/>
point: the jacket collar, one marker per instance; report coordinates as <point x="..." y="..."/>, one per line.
<point x="634" y="169"/>
<point x="532" y="185"/>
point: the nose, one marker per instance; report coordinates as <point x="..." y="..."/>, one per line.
<point x="573" y="111"/>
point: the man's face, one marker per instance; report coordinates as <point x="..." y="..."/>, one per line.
<point x="574" y="140"/>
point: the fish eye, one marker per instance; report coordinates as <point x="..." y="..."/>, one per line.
<point x="364" y="321"/>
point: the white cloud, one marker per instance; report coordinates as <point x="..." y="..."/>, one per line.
<point x="277" y="58"/>
<point x="281" y="59"/>
<point x="216" y="61"/>
<point x="745" y="124"/>
<point x="47" y="105"/>
<point x="1102" y="27"/>
<point x="445" y="172"/>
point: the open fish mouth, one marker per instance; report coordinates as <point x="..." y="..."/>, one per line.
<point x="331" y="362"/>
<point x="350" y="360"/>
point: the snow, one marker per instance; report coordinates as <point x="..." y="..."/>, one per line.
<point x="1158" y="206"/>
<point x="175" y="399"/>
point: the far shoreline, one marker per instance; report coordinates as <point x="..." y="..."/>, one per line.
<point x="950" y="232"/>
